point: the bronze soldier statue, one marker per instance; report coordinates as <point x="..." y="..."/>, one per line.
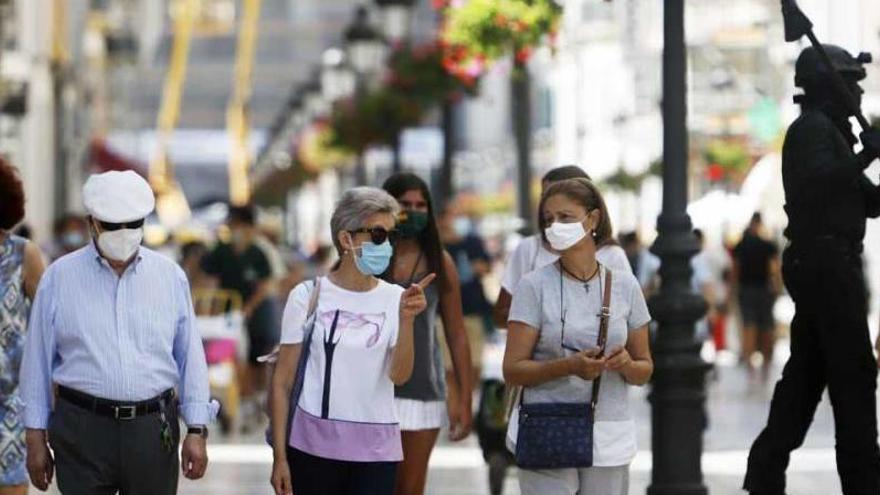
<point x="828" y="199"/>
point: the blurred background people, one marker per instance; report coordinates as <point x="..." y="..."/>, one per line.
<point x="241" y="266"/>
<point x="70" y="233"/>
<point x="322" y="259"/>
<point x="703" y="283"/>
<point x="757" y="281"/>
<point x="473" y="263"/>
<point x="21" y="266"/>
<point x="645" y="264"/>
<point x="24" y="231"/>
<point x="192" y="254"/>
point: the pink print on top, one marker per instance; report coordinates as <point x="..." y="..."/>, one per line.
<point x="348" y="322"/>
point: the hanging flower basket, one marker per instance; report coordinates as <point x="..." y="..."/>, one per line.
<point x="429" y="75"/>
<point x="373" y="120"/>
<point x="316" y="151"/>
<point x="490" y="29"/>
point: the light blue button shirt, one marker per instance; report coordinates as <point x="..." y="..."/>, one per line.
<point x="125" y="338"/>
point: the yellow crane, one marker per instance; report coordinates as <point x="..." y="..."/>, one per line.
<point x="237" y="118"/>
<point x="171" y="204"/>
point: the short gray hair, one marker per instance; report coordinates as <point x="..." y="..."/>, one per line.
<point x="355" y="206"/>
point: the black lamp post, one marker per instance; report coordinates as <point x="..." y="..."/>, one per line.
<point x="366" y="51"/>
<point x="396" y="23"/>
<point x="447" y="170"/>
<point x="521" y="105"/>
<point x="678" y="391"/>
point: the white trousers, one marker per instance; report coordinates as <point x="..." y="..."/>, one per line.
<point x="585" y="481"/>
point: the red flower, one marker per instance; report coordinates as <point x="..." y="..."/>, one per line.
<point x="449" y="64"/>
<point x="500" y="20"/>
<point x="714" y="172"/>
<point x="439" y="4"/>
<point x="523" y="54"/>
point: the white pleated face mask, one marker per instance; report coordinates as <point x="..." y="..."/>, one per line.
<point x="120" y="245"/>
<point x="562" y="236"/>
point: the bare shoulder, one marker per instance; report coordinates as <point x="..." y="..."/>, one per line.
<point x="33" y="257"/>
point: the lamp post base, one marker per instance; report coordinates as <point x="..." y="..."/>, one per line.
<point x="678" y="393"/>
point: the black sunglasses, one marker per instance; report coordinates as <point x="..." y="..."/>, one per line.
<point x="110" y="227"/>
<point x="378" y="235"/>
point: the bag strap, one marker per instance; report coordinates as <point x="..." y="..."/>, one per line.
<point x="604" y="316"/>
<point x="299" y="377"/>
<point x="313" y="300"/>
<point x="309" y="328"/>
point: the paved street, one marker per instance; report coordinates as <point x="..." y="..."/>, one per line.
<point x="737" y="406"/>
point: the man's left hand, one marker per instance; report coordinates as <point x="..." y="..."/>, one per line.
<point x="194" y="457"/>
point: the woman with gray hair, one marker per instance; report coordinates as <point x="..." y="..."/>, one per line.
<point x="344" y="437"/>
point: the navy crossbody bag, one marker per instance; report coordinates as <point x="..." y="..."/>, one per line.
<point x="555" y="435"/>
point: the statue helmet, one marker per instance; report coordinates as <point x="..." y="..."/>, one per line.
<point x="811" y="70"/>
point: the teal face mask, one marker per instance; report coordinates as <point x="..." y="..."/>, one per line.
<point x="374" y="258"/>
<point x="413" y="223"/>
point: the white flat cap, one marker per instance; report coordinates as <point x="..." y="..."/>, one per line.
<point x="118" y="197"/>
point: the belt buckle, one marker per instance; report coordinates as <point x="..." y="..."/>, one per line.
<point x="124" y="412"/>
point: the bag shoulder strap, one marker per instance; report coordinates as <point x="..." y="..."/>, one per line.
<point x="313" y="300"/>
<point x="604" y="316"/>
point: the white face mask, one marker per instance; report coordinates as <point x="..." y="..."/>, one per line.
<point x="120" y="245"/>
<point x="562" y="236"/>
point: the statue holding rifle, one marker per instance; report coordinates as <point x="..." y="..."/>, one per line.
<point x="828" y="199"/>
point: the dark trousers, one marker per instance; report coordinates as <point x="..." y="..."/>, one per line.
<point x="98" y="455"/>
<point x="830" y="347"/>
<point x="318" y="476"/>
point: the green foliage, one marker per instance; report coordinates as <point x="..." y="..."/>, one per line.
<point x="730" y="156"/>
<point x="491" y="29"/>
<point x="655" y="169"/>
<point x="625" y="181"/>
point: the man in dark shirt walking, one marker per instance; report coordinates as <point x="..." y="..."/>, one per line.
<point x="828" y="198"/>
<point x="241" y="266"/>
<point x="756" y="275"/>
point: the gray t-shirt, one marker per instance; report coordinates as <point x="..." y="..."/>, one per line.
<point x="537" y="302"/>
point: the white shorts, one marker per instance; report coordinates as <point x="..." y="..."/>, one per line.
<point x="415" y="415"/>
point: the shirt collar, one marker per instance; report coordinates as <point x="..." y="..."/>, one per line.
<point x="93" y="253"/>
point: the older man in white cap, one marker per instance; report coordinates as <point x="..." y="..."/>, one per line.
<point x="111" y="329"/>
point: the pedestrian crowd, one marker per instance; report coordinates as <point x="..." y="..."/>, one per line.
<point x="369" y="356"/>
<point x="355" y="361"/>
<point x="115" y="359"/>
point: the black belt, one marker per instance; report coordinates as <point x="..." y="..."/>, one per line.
<point x="115" y="409"/>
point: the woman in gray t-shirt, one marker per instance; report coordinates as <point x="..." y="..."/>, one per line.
<point x="553" y="331"/>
